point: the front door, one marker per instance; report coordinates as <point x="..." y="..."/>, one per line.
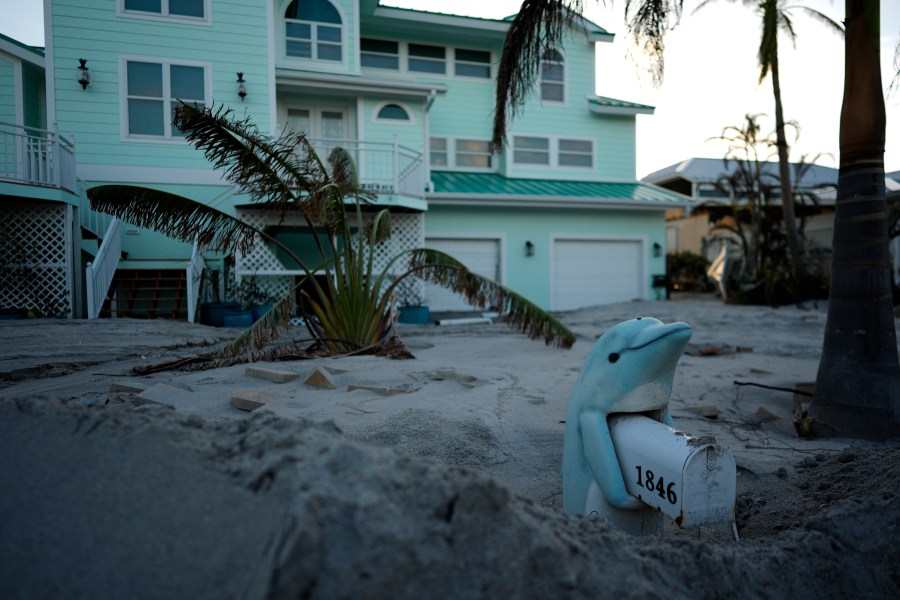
<point x="326" y="127"/>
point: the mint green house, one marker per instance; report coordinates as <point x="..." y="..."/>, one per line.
<point x="558" y="215"/>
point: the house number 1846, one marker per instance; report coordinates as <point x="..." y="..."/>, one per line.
<point x="646" y="479"/>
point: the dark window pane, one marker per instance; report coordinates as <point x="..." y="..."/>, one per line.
<point x="478" y="56"/>
<point x="187" y="82"/>
<point x="299" y="49"/>
<point x="298" y="30"/>
<point x="393" y="111"/>
<point x="552" y="92"/>
<point x="550" y="72"/>
<point x="329" y="52"/>
<point x="426" y="51"/>
<point x="531" y="143"/>
<point x="478" y="161"/>
<point x="380" y="62"/>
<point x="465" y="70"/>
<point x="322" y="11"/>
<point x="473" y="146"/>
<point x="426" y="66"/>
<point x="186" y="8"/>
<point x="154" y="6"/>
<point x="575" y="146"/>
<point x="329" y="34"/>
<point x="531" y="158"/>
<point x="575" y="160"/>
<point x="144" y="79"/>
<point x="380" y="46"/>
<point x="145" y="117"/>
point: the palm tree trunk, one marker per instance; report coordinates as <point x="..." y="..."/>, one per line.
<point x="858" y="384"/>
<point x="787" y="197"/>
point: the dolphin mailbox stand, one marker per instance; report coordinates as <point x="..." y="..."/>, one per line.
<point x="622" y="457"/>
<point x="692" y="480"/>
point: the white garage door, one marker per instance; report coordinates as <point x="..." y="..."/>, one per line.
<point x="593" y="272"/>
<point x="479" y="255"/>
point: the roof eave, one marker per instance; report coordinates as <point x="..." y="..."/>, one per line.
<point x="619" y="110"/>
<point x="356" y="84"/>
<point x="541" y="201"/>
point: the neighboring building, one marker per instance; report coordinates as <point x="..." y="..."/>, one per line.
<point x="694" y="228"/>
<point x="558" y="216"/>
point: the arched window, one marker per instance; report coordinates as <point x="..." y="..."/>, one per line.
<point x="553" y="77"/>
<point x="313" y="29"/>
<point x="392" y="112"/>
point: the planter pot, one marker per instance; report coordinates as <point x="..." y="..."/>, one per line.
<point x="213" y="313"/>
<point x="414" y="315"/>
<point x="238" y="318"/>
<point x="259" y="311"/>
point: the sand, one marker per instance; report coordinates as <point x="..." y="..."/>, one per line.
<point x="435" y="477"/>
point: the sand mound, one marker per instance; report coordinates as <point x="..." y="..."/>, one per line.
<point x="148" y="503"/>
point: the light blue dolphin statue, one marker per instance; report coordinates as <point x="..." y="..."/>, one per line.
<point x="629" y="370"/>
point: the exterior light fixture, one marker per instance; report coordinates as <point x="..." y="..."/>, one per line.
<point x="241" y="86"/>
<point x="529" y="249"/>
<point x="657" y="250"/>
<point x="84" y="73"/>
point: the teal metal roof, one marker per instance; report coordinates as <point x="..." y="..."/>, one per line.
<point x="606" y="104"/>
<point x="491" y="186"/>
<point x="33" y="49"/>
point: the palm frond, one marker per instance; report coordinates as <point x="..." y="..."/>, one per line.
<point x="537" y="28"/>
<point x="279" y="173"/>
<point x="267" y="328"/>
<point x="175" y="216"/>
<point x="648" y="22"/>
<point x="822" y="18"/>
<point x="519" y="312"/>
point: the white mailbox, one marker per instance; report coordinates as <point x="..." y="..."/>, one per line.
<point x="692" y="480"/>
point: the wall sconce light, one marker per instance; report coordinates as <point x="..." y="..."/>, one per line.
<point x="657" y="250"/>
<point x="529" y="249"/>
<point x="84" y="73"/>
<point x="241" y="86"/>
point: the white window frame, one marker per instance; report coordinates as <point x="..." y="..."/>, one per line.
<point x="445" y="61"/>
<point x="553" y="149"/>
<point x="167" y="137"/>
<point x="403" y="58"/>
<point x="312" y="63"/>
<point x="564" y="83"/>
<point x="164" y="15"/>
<point x="398" y="56"/>
<point x="452" y="152"/>
<point x="405" y="123"/>
<point x="489" y="64"/>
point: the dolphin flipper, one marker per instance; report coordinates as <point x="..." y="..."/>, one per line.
<point x="601" y="458"/>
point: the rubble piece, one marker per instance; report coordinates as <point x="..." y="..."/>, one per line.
<point x="383" y="390"/>
<point x="450" y="375"/>
<point x="358" y="407"/>
<point x="320" y="378"/>
<point x="127" y="387"/>
<point x="707" y="411"/>
<point x="268" y="374"/>
<point x="250" y="400"/>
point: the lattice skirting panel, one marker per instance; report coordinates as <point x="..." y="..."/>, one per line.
<point x="36" y="258"/>
<point x="407" y="232"/>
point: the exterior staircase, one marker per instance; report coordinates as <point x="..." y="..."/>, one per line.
<point x="147" y="294"/>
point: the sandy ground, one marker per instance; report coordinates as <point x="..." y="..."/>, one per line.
<point x="432" y="477"/>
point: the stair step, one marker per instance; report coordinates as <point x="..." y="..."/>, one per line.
<point x="148" y="293"/>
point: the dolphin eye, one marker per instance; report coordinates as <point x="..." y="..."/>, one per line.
<point x="614" y="357"/>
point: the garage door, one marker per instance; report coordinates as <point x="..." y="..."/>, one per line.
<point x="593" y="272"/>
<point x="479" y="255"/>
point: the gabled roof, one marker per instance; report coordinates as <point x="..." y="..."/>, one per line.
<point x="710" y="170"/>
<point x="32" y="54"/>
<point x="492" y="189"/>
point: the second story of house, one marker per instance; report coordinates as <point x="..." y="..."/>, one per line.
<point x="407" y="91"/>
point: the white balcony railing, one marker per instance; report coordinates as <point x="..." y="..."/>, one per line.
<point x="384" y="167"/>
<point x="36" y="157"/>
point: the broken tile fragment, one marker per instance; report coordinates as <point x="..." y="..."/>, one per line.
<point x="450" y="375"/>
<point x="269" y="374"/>
<point x="161" y="393"/>
<point x="320" y="378"/>
<point x="709" y="411"/>
<point x="127" y="387"/>
<point x="249" y="400"/>
<point x="383" y="390"/>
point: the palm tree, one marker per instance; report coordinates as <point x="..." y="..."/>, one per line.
<point x="858" y="384"/>
<point x="352" y="311"/>
<point x="776" y="19"/>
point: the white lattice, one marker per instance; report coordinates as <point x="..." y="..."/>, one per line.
<point x="35" y="258"/>
<point x="407" y="232"/>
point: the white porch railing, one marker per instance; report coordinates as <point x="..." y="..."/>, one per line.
<point x="384" y="167"/>
<point x="194" y="281"/>
<point x="36" y="157"/>
<point x="99" y="273"/>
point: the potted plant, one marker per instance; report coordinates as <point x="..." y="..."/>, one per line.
<point x="411" y="303"/>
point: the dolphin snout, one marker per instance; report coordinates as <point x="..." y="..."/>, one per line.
<point x="676" y="331"/>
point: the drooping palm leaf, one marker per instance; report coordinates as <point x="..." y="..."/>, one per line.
<point x="519" y="312"/>
<point x="270" y="326"/>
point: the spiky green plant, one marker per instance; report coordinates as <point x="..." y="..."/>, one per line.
<point x="353" y="310"/>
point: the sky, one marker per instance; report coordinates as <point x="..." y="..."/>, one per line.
<point x="711" y="77"/>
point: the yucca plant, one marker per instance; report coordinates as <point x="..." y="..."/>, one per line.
<point x="353" y="311"/>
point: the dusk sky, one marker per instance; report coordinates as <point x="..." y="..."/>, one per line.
<point x="711" y="74"/>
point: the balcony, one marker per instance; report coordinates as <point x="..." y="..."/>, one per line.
<point x="386" y="168"/>
<point x="38" y="157"/>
